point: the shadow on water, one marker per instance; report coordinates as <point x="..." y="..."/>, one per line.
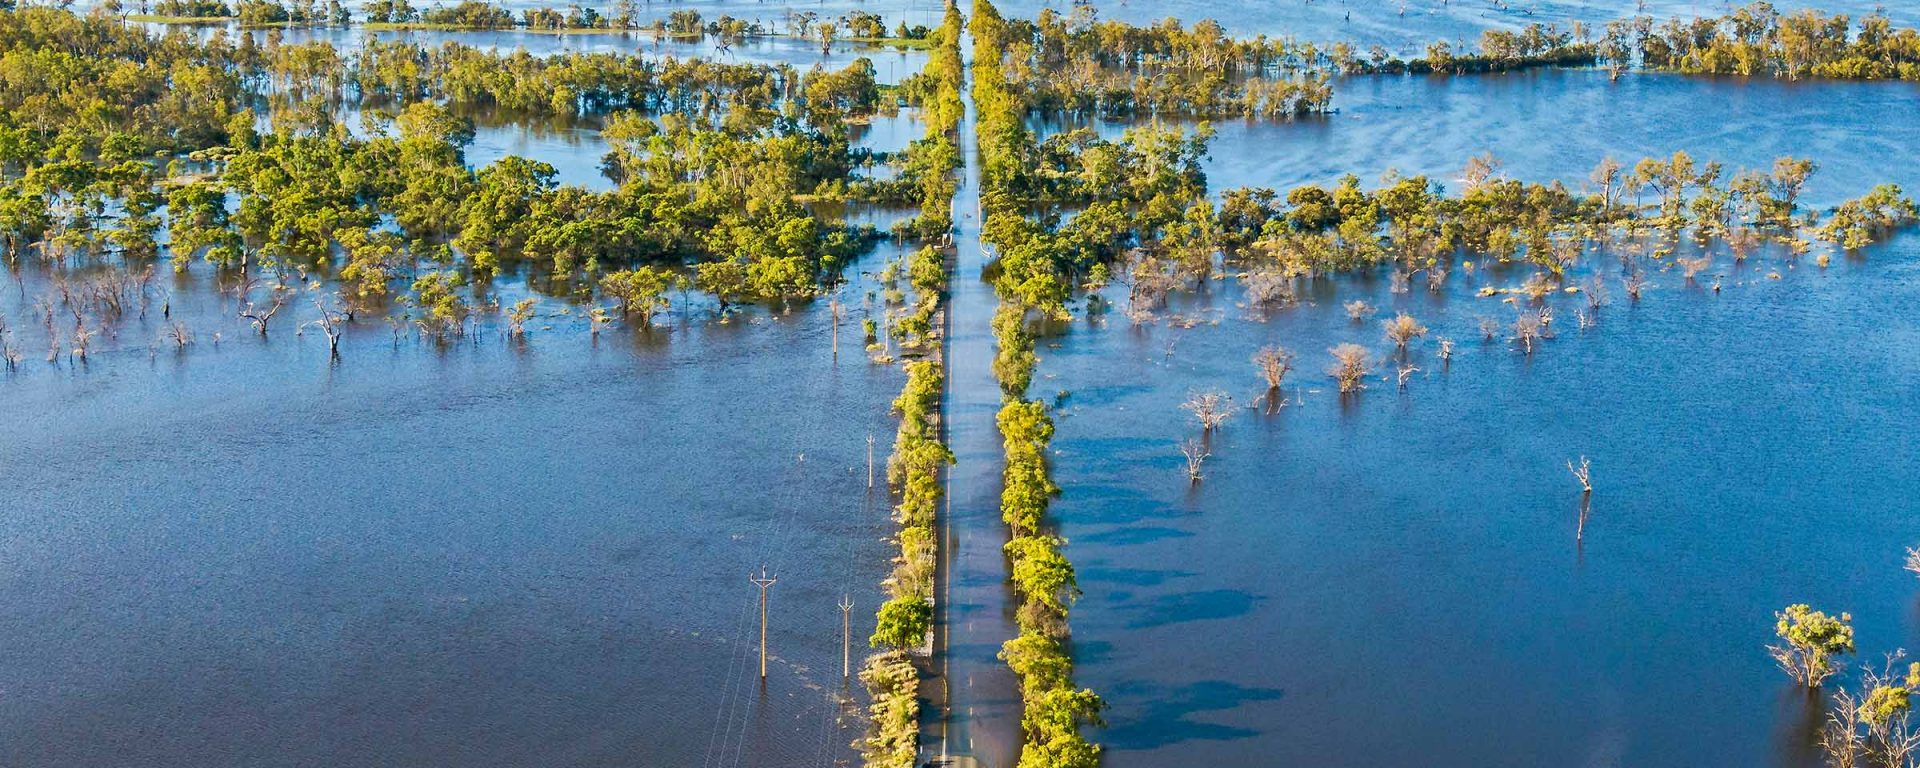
<point x="1800" y="713"/>
<point x="1176" y="713"/>
<point x="1186" y="607"/>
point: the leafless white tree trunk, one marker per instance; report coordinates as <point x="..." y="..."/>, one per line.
<point x="1196" y="455"/>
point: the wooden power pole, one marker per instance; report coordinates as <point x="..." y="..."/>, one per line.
<point x="846" y="637"/>
<point x="762" y="581"/>
<point x="836" y="310"/>
<point x="869" y="461"/>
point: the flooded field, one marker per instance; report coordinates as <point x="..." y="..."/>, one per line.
<point x="532" y="552"/>
<point x="500" y="552"/>
<point x="1394" y="578"/>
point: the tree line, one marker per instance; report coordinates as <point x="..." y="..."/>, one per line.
<point x="622" y="16"/>
<point x="1756" y="40"/>
<point x="904" y="623"/>
<point x="1080" y="64"/>
<point x="1055" y="710"/>
<point x="116" y="136"/>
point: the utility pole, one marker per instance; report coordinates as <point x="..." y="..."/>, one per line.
<point x="846" y="637"/>
<point x="869" y="461"/>
<point x="836" y="310"/>
<point x="762" y="581"/>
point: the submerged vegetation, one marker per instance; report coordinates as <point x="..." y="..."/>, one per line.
<point x="620" y="16"/>
<point x="1079" y="64"/>
<point x="905" y="622"/>
<point x="1865" y="725"/>
<point x="111" y="138"/>
<point x="1411" y="224"/>
<point x="300" y="175"/>
<point x="1040" y="656"/>
<point x="1758" y="41"/>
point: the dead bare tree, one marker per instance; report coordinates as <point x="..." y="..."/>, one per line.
<point x="835" y="309"/>
<point x="1871" y="725"/>
<point x="1402" y="329"/>
<point x="1582" y="473"/>
<point x="1210" y="408"/>
<point x="1742" y="242"/>
<point x="1538" y="287"/>
<point x="1635" y="281"/>
<point x="1196" y="454"/>
<point x="1274" y="362"/>
<point x="329" y="322"/>
<point x="1399" y="282"/>
<point x="1586" y="510"/>
<point x="1840" y="734"/>
<point x="1407" y="370"/>
<point x="1691" y="268"/>
<point x="145" y="283"/>
<point x="1596" y="296"/>
<point x="1268" y="289"/>
<point x="1526" y="331"/>
<point x="178" y="334"/>
<point x="1913" y="560"/>
<point x="1359" y="310"/>
<point x="82" y="339"/>
<point x="1446" y="350"/>
<point x="9" y="354"/>
<point x="1436" y="278"/>
<point x="1349" y="367"/>
<point x="1489" y="328"/>
<point x="260" y="317"/>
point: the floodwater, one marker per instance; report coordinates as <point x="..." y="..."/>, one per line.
<point x="241" y="554"/>
<point x="1556" y="125"/>
<point x="1407" y="26"/>
<point x="536" y="554"/>
<point x="1403" y="26"/>
<point x="984" y="719"/>
<point x="890" y="64"/>
<point x="1394" y="579"/>
<point x="490" y="552"/>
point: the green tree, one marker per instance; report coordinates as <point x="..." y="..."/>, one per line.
<point x="1811" y="643"/>
<point x="903" y="623"/>
<point x="640" y="292"/>
<point x="443" y="312"/>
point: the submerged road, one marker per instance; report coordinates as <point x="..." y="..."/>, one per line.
<point x="975" y="714"/>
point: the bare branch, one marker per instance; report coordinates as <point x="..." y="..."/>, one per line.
<point x="1209" y="408"/>
<point x="1196" y="454"/>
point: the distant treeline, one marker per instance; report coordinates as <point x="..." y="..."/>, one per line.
<point x="624" y="15"/>
<point x="1077" y="63"/>
<point x="111" y="136"/>
<point x="1758" y="41"/>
